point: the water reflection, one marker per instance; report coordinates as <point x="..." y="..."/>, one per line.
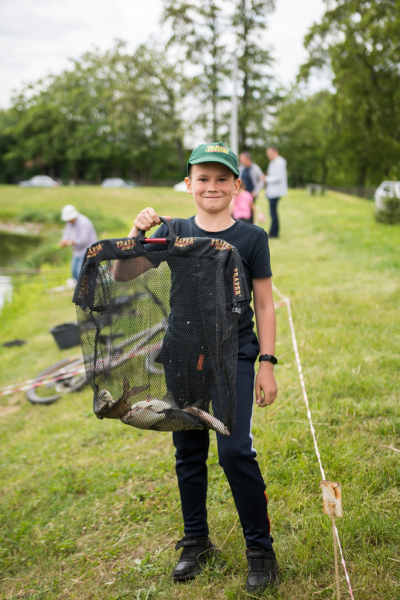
<point x="5" y="290"/>
<point x="14" y="246"/>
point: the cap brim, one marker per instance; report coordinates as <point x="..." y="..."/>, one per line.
<point x="217" y="159"/>
<point x="69" y="217"/>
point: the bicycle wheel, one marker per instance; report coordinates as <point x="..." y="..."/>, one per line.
<point x="44" y="394"/>
<point x="149" y="345"/>
<point x="151" y="366"/>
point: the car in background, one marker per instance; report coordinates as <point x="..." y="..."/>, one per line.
<point x="117" y="182"/>
<point x="180" y="187"/>
<point x="39" y="181"/>
<point x="387" y="189"/>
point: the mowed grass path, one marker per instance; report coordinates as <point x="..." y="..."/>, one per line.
<point x="90" y="509"/>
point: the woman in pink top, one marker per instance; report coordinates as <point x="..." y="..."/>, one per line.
<point x="242" y="205"/>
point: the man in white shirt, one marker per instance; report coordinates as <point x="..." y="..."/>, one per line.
<point x="79" y="233"/>
<point x="276" y="180"/>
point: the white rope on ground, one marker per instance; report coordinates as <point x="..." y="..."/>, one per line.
<point x="45" y="379"/>
<point x="303" y="387"/>
<point x="60" y="371"/>
<point x="286" y="301"/>
<point x="29" y="386"/>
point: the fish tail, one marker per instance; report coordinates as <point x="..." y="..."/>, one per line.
<point x="126" y="384"/>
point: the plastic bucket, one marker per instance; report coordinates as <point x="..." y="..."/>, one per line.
<point x="66" y="335"/>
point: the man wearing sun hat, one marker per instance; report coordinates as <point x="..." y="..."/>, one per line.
<point x="78" y="233"/>
<point x="213" y="180"/>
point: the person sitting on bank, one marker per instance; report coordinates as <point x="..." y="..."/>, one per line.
<point x="80" y="233"/>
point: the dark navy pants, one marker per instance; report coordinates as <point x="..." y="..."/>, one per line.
<point x="238" y="460"/>
<point x="273" y="209"/>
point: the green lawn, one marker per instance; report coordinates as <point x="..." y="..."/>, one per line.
<point x="90" y="509"/>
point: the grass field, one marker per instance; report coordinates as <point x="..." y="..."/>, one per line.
<point x="90" y="509"/>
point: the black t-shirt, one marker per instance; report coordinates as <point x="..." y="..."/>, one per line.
<point x="251" y="242"/>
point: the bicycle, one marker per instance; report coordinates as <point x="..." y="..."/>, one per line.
<point x="68" y="375"/>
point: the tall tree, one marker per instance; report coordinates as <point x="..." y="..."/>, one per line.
<point x="359" y="41"/>
<point x="168" y="87"/>
<point x="204" y="32"/>
<point x="303" y="130"/>
<point x="8" y="169"/>
<point x="198" y="30"/>
<point x="249" y="22"/>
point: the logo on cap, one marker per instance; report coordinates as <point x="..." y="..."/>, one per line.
<point x="217" y="149"/>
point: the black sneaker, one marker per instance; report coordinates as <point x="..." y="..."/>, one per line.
<point x="262" y="569"/>
<point x="195" y="552"/>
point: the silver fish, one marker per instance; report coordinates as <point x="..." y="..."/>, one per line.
<point x="181" y="422"/>
<point x="208" y="420"/>
<point x="104" y="400"/>
<point x="142" y="418"/>
<point x="148" y="412"/>
<point x="162" y="415"/>
<point x="104" y="407"/>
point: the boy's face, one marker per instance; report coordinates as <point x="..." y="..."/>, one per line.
<point x="213" y="186"/>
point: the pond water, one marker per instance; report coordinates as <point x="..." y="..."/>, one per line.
<point x="14" y="246"/>
<point x="5" y="290"/>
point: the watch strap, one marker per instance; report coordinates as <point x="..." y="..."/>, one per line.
<point x="268" y="357"/>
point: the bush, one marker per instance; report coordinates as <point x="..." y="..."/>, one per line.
<point x="47" y="252"/>
<point x="102" y="223"/>
<point x="391" y="214"/>
<point x="106" y="223"/>
<point x="40" y="215"/>
<point x="15" y="246"/>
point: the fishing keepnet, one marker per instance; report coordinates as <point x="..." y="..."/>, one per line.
<point x="159" y="331"/>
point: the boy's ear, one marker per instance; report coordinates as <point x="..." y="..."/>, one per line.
<point x="236" y="186"/>
<point x="188" y="185"/>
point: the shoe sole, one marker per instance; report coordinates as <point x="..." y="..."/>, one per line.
<point x="189" y="576"/>
<point x="262" y="588"/>
<point x="197" y="569"/>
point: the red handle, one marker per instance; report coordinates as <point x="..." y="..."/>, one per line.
<point x="155" y="241"/>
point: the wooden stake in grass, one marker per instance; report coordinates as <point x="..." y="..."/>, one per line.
<point x="332" y="499"/>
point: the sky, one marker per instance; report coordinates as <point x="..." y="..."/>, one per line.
<point x="38" y="37"/>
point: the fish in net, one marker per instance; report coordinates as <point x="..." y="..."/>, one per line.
<point x="159" y="330"/>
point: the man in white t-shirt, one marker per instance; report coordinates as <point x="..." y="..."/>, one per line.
<point x="276" y="180"/>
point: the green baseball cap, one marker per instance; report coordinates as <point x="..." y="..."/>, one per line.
<point x="215" y="152"/>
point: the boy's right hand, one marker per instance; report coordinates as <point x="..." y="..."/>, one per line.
<point x="146" y="219"/>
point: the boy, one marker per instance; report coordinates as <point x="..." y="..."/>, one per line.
<point x="213" y="180"/>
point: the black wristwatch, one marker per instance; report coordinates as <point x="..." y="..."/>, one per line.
<point x="269" y="358"/>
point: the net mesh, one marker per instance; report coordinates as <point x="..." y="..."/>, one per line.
<point x="159" y="346"/>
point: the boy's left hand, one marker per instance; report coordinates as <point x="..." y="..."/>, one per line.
<point x="265" y="382"/>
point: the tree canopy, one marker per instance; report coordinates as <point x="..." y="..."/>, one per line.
<point x="132" y="114"/>
<point x="358" y="40"/>
<point x="112" y="114"/>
